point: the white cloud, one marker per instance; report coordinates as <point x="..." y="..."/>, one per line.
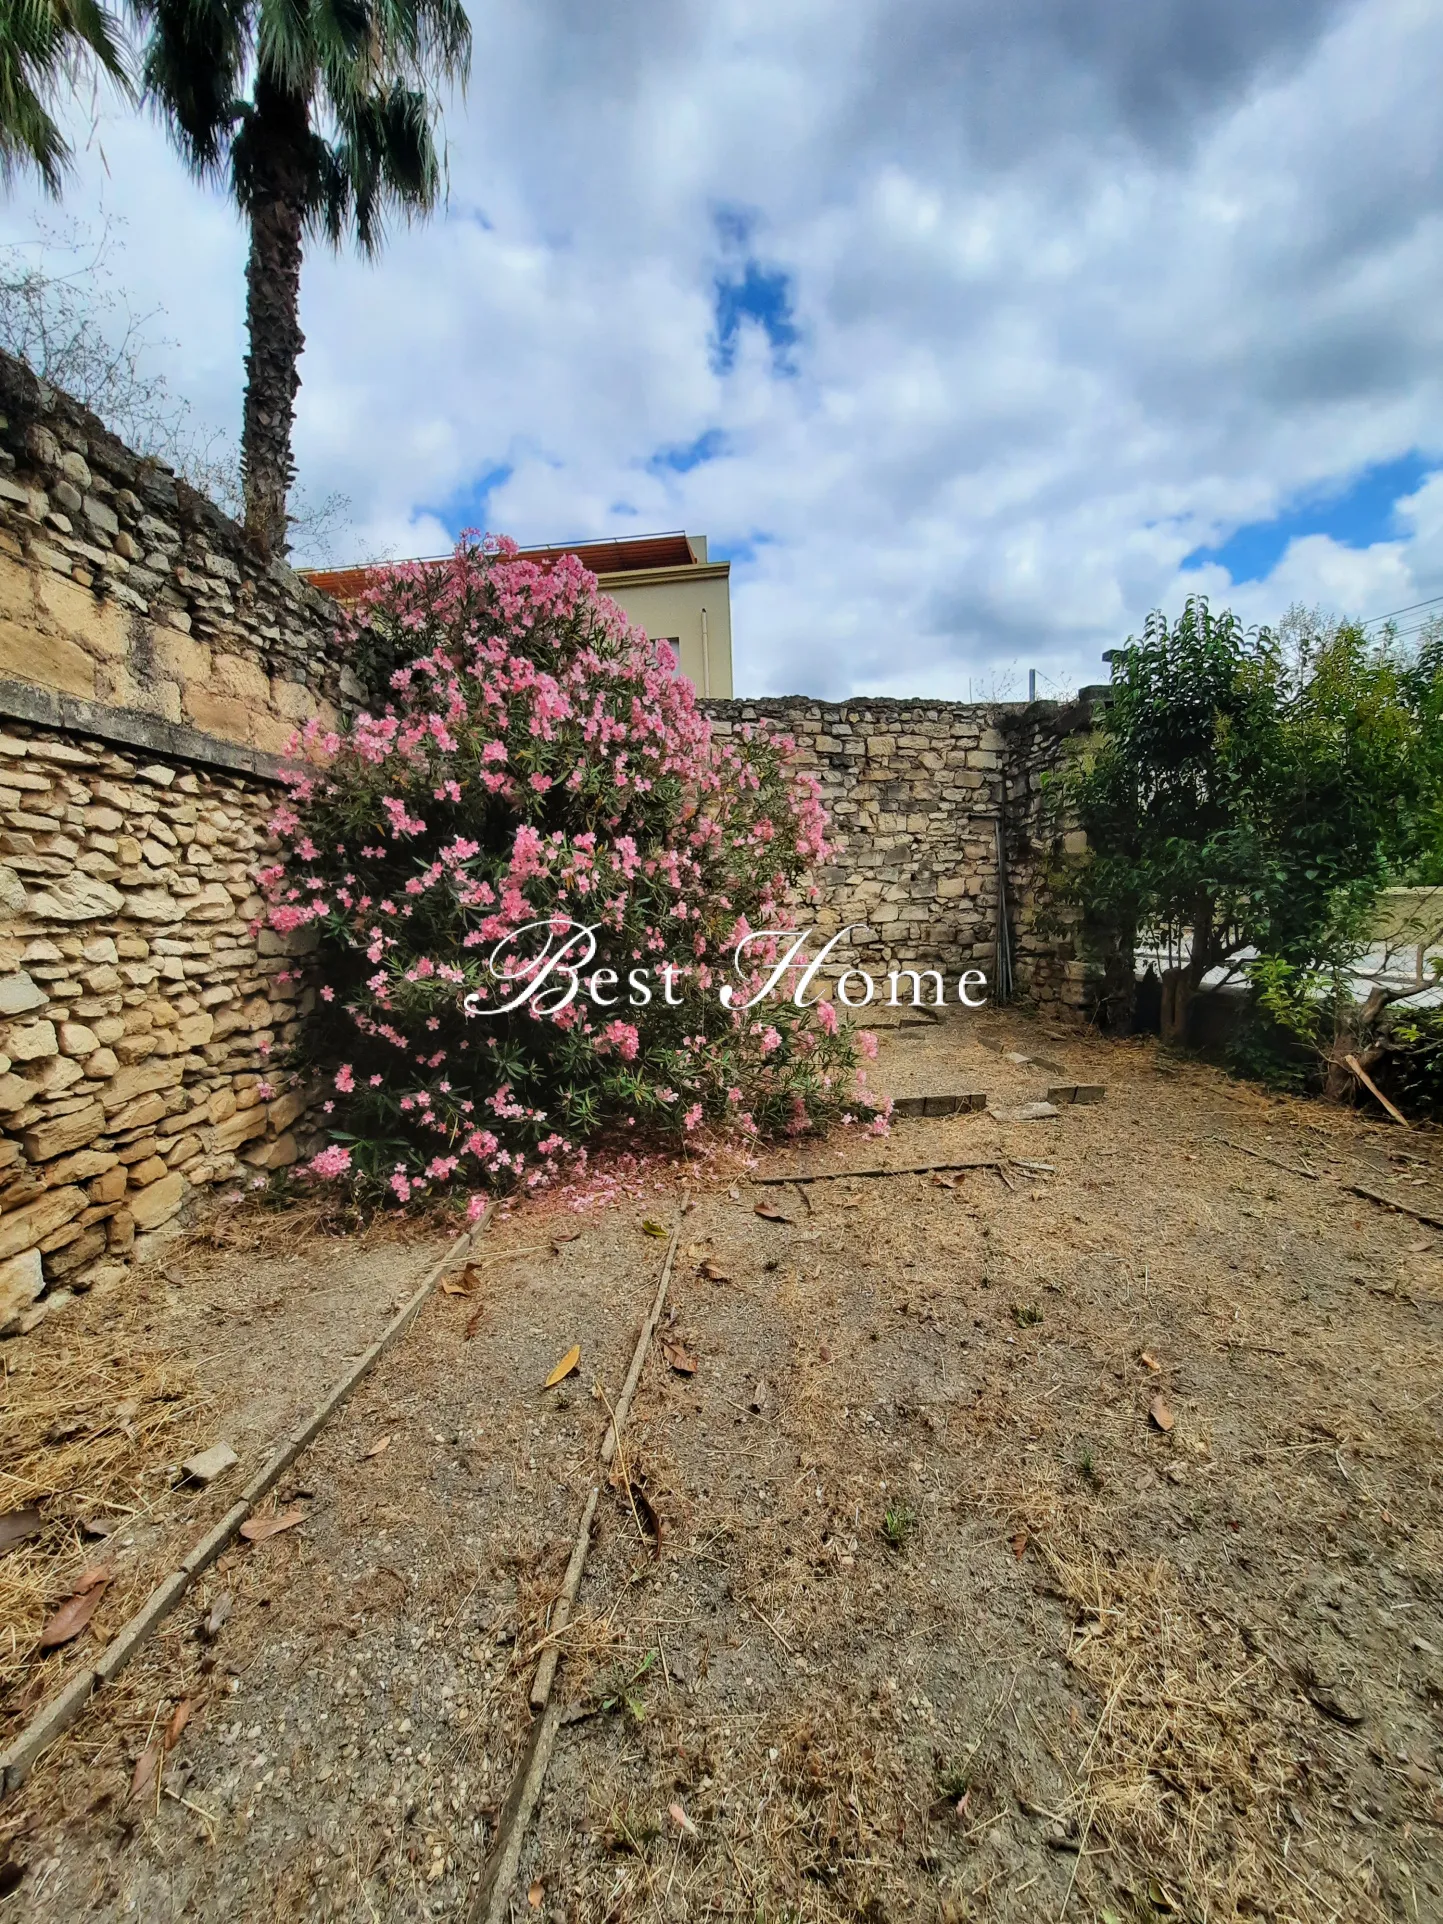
<point x="1079" y="286"/>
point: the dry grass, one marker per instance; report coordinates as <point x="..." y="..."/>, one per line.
<point x="91" y="1423"/>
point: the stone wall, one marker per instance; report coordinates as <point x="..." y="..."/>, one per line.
<point x="138" y="1008"/>
<point x="931" y="804"/>
<point x="120" y="584"/>
<point x="150" y="669"/>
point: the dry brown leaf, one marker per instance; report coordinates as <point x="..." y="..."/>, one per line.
<point x="16" y="1526"/>
<point x="260" y="1529"/>
<point x="219" y="1611"/>
<point x="772" y="1214"/>
<point x="73" y="1615"/>
<point x="453" y="1288"/>
<point x="681" y="1820"/>
<point x="681" y="1360"/>
<point x="564" y="1368"/>
<point x="536" y="1896"/>
<point x="473" y="1321"/>
<point x="825" y="1352"/>
<point x="1158" y="1410"/>
<point x="146" y="1765"/>
<point x="180" y="1717"/>
<point x="939" y="1181"/>
<point x="712" y="1271"/>
<point x="565" y="1235"/>
<point x="94" y="1573"/>
<point x="379" y="1447"/>
<point x="1149" y="1361"/>
<point x="1019" y="1545"/>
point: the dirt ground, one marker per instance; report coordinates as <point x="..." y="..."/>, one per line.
<point x="942" y="1622"/>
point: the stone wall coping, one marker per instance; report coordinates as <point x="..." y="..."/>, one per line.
<point x="129" y="728"/>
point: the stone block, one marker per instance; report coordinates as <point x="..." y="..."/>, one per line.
<point x="152" y="905"/>
<point x="47" y="661"/>
<point x="281" y="1113"/>
<point x="18" y="995"/>
<point x="64" y="1134"/>
<point x="156" y="1204"/>
<point x="27" y="1227"/>
<point x="142" y="1174"/>
<point x="22" y="1279"/>
<point x="220" y="715"/>
<point x="77" y="1040"/>
<point x="110" y="1187"/>
<point x="241" y="1127"/>
<point x="80" y="1166"/>
<point x="76" y="898"/>
<point x="102" y="1065"/>
<point x="121" y="1234"/>
<point x="141" y="1080"/>
<point x="194" y="1031"/>
<point x="33" y="1042"/>
<point x="279" y="1154"/>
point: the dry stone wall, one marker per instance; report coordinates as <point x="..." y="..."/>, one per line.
<point x="940" y="826"/>
<point x="121" y="585"/>
<point x="138" y="1007"/>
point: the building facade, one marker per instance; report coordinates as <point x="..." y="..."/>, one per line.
<point x="662" y="582"/>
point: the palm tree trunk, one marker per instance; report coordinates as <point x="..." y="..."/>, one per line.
<point x="273" y="294"/>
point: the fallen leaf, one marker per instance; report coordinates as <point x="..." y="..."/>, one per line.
<point x="180" y="1717"/>
<point x="564" y="1368"/>
<point x="146" y="1766"/>
<point x="734" y="1194"/>
<point x="536" y="1896"/>
<point x="940" y="1181"/>
<point x="261" y="1529"/>
<point x="463" y="1288"/>
<point x="1149" y="1361"/>
<point x="1420" y="1248"/>
<point x="825" y="1353"/>
<point x="760" y="1397"/>
<point x="16" y="1526"/>
<point x="713" y="1272"/>
<point x="681" y="1360"/>
<point x="94" y="1573"/>
<point x="378" y="1448"/>
<point x="772" y="1214"/>
<point x="681" y="1820"/>
<point x="473" y="1321"/>
<point x="219" y="1611"/>
<point x="565" y="1235"/>
<point x="652" y="1227"/>
<point x="73" y="1615"/>
<point x="1158" y="1410"/>
<point x="1019" y="1545"/>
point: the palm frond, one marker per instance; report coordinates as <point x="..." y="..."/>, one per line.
<point x="42" y="43"/>
<point x="194" y="63"/>
<point x="386" y="156"/>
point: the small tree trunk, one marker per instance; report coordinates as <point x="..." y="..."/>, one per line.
<point x="273" y="294"/>
<point x="1177" y="994"/>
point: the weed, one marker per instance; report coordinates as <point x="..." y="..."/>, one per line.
<point x="899" y="1525"/>
<point x="1087" y="1468"/>
<point x="1026" y="1314"/>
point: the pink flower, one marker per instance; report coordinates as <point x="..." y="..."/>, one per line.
<point x="692" y="1116"/>
<point x="345" y="1079"/>
<point x="867" y="1043"/>
<point x="827" y="1017"/>
<point x="771" y="1041"/>
<point x="331" y="1162"/>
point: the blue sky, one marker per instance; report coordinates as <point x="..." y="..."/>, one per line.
<point x="970" y="333"/>
<point x="1356" y="511"/>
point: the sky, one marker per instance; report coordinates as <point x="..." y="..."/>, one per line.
<point x="969" y="333"/>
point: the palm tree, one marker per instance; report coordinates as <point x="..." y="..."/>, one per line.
<point x="42" y="41"/>
<point x="338" y="126"/>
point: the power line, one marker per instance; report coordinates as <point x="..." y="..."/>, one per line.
<point x="1412" y="608"/>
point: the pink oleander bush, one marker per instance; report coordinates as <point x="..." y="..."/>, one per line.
<point x="540" y="762"/>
